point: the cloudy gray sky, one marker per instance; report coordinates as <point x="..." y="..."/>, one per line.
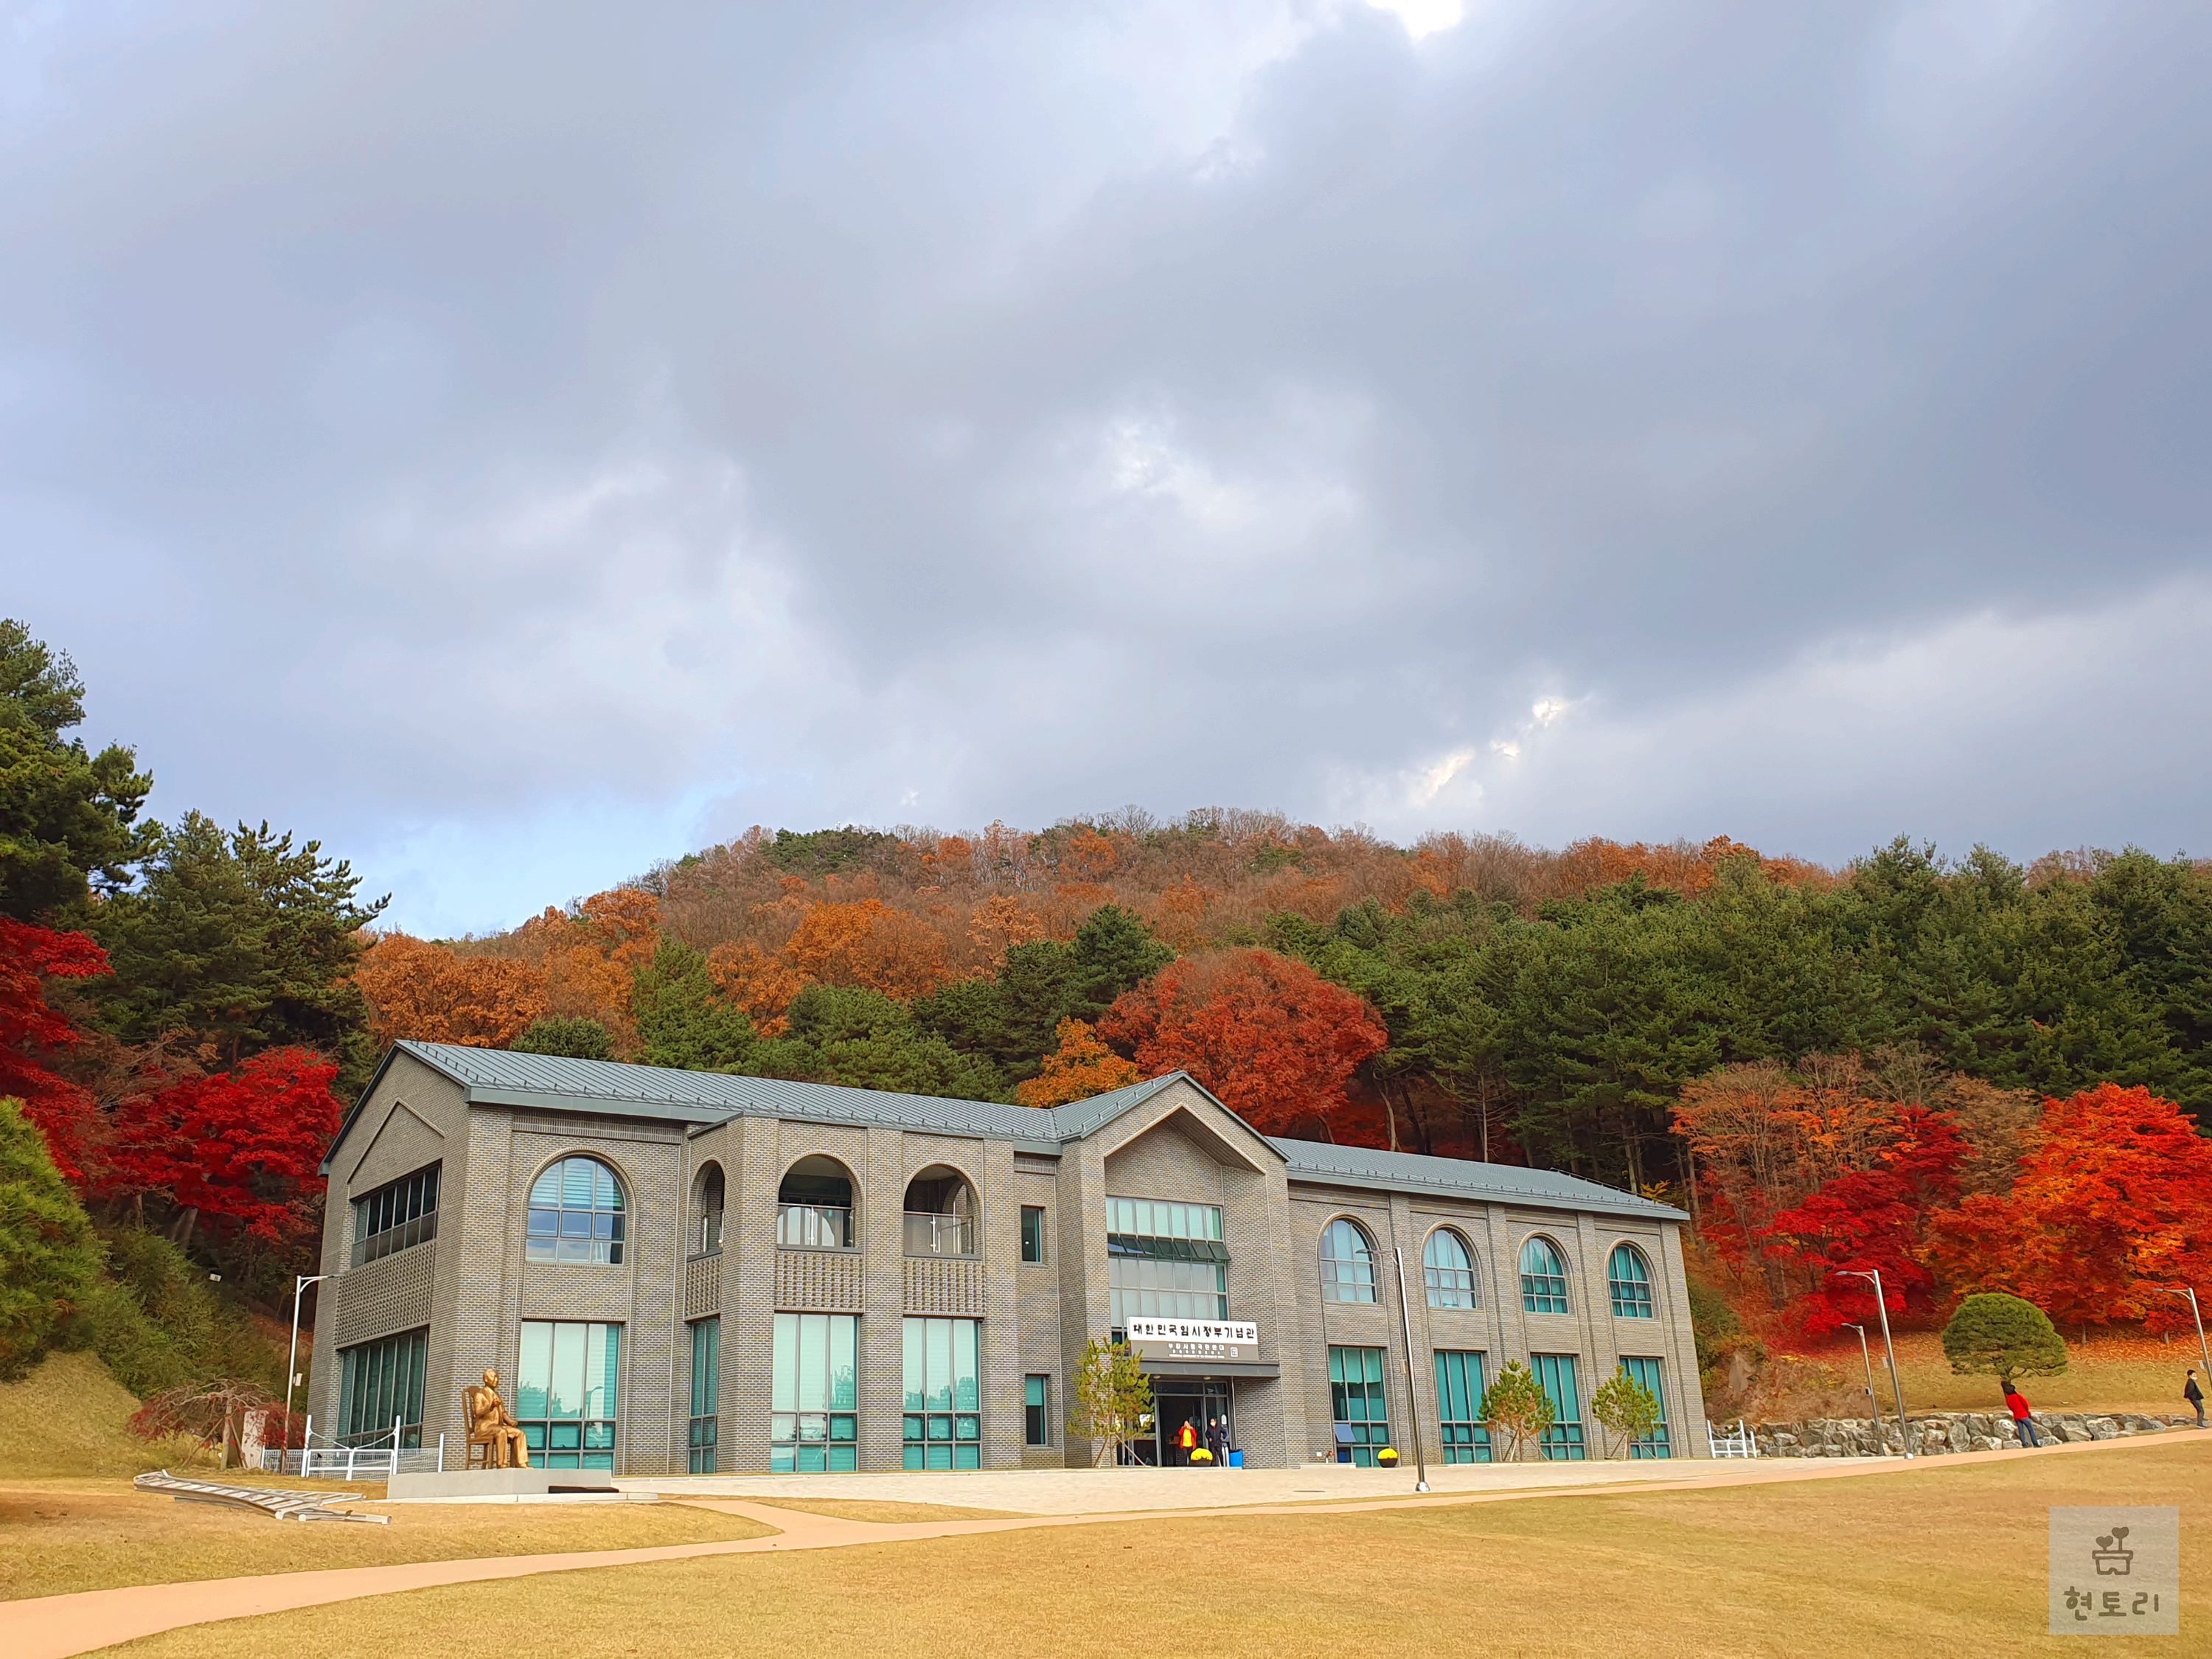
<point x="516" y="442"/>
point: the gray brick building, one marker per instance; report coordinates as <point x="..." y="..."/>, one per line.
<point x="680" y="1270"/>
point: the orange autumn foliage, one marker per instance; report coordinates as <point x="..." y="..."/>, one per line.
<point x="1082" y="1068"/>
<point x="1000" y="923"/>
<point x="870" y="946"/>
<point x="420" y="990"/>
<point x="2114" y="1200"/>
<point x="762" y="985"/>
<point x="1272" y="1039"/>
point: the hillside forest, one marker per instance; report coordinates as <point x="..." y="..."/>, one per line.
<point x="1970" y="1072"/>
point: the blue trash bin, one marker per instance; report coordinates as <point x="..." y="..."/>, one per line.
<point x="1236" y="1457"/>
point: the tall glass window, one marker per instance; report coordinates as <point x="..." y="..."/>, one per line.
<point x="1037" y="1421"/>
<point x="1629" y="1277"/>
<point x="398" y="1214"/>
<point x="1646" y="1374"/>
<point x="1355" y="1394"/>
<point x="1164" y="1260"/>
<point x="1032" y="1232"/>
<point x="944" y="1394"/>
<point x="1543" y="1278"/>
<point x="1465" y="1436"/>
<point x="565" y="1394"/>
<point x="1449" y="1268"/>
<point x="576" y="1213"/>
<point x="815" y="1389"/>
<point x="1555" y="1373"/>
<point x="380" y="1383"/>
<point x="706" y="1392"/>
<point x="1347" y="1263"/>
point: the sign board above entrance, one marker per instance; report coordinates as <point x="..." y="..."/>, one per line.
<point x="1194" y="1339"/>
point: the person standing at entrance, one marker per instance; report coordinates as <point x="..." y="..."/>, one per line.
<point x="1186" y="1437"/>
<point x="2023" y="1424"/>
<point x="1217" y="1442"/>
<point x="2195" y="1397"/>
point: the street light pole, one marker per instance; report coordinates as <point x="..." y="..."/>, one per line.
<point x="1412" y="1384"/>
<point x="300" y="1282"/>
<point x="2197" y="1313"/>
<point x="1873" y="1399"/>
<point x="1889" y="1351"/>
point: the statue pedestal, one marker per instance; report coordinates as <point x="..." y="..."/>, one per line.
<point x="508" y="1486"/>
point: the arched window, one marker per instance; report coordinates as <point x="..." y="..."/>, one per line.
<point x="940" y="1213"/>
<point x="1543" y="1278"/>
<point x="576" y="1213"/>
<point x="1449" y="1268"/>
<point x="706" y="1227"/>
<point x="1629" y="1276"/>
<point x="814" y="1205"/>
<point x="1347" y="1264"/>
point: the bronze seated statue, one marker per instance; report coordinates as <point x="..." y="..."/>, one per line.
<point x="495" y="1439"/>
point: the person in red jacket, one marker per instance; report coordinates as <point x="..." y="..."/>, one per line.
<point x="2023" y="1424"/>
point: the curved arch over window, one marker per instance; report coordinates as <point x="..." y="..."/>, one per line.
<point x="1448" y="1267"/>
<point x="577" y="1214"/>
<point x="940" y="1212"/>
<point x="708" y="1195"/>
<point x="1543" y="1277"/>
<point x="1347" y="1263"/>
<point x="1628" y="1275"/>
<point x="814" y="1205"/>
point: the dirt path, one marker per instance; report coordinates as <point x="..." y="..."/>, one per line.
<point x="56" y="1626"/>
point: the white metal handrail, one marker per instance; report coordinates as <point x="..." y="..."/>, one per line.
<point x="1740" y="1444"/>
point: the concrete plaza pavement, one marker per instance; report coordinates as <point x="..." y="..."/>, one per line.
<point x="1118" y="1492"/>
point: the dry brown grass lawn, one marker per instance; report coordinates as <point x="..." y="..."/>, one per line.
<point x="883" y="1511"/>
<point x="61" y="1536"/>
<point x="1940" y="1559"/>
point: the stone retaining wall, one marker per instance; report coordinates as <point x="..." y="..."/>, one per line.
<point x="1938" y="1432"/>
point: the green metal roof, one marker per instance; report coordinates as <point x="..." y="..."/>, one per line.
<point x="1398" y="1172"/>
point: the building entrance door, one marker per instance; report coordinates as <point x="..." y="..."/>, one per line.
<point x="1196" y="1400"/>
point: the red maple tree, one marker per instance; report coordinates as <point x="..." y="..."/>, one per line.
<point x="2114" y="1202"/>
<point x="30" y="1031"/>
<point x="1272" y="1039"/>
<point x="1872" y="1219"/>
<point x="244" y="1144"/>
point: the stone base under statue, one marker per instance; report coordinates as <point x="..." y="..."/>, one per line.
<point x="510" y="1486"/>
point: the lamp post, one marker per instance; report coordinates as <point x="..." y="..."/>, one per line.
<point x="1873" y="1399"/>
<point x="1412" y="1386"/>
<point x="1888" y="1349"/>
<point x="2197" y="1313"/>
<point x="300" y="1282"/>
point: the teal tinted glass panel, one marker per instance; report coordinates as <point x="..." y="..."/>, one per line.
<point x="1357" y="1399"/>
<point x="706" y="1392"/>
<point x="1464" y="1437"/>
<point x="1149" y="1217"/>
<point x="568" y="1390"/>
<point x="1543" y="1278"/>
<point x="1555" y="1374"/>
<point x="1645" y="1373"/>
<point x="381" y="1383"/>
<point x="813" y="1393"/>
<point x="1629" y="1278"/>
<point x="943" y="1425"/>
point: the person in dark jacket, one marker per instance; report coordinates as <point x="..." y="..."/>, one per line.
<point x="1217" y="1442"/>
<point x="2023" y="1423"/>
<point x="2195" y="1397"/>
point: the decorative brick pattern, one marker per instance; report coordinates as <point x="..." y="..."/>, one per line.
<point x="820" y="1281"/>
<point x="386" y="1295"/>
<point x="703" y="1286"/>
<point x="934" y="1285"/>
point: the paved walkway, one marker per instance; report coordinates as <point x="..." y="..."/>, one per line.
<point x="58" y="1626"/>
